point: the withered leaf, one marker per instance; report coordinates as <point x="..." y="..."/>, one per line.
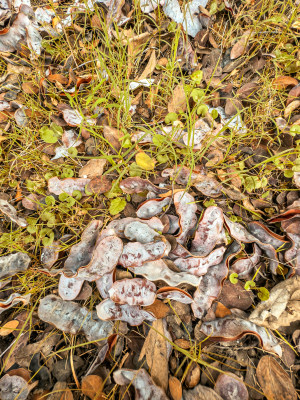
<point x="291" y="107"/>
<point x="99" y="185"/>
<point x="91" y="386"/>
<point x="241" y="46"/>
<point x="156" y="349"/>
<point x="282" y="308"/>
<point x="108" y="310"/>
<point x="247" y="90"/>
<point x="145" y="389"/>
<point x="8" y="328"/>
<point x="294" y="93"/>
<point x="135" y="292"/>
<point x="113" y="136"/>
<point x="93" y="168"/>
<point x="274" y="381"/>
<point x="175" y="388"/>
<point x="230" y="386"/>
<point x="70" y="317"/>
<point x="177" y="294"/>
<point x="178" y="100"/>
<point x="245" y="265"/>
<point x="282" y="82"/>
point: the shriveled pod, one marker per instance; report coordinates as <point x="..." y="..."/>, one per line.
<point x="68" y="185"/>
<point x="70" y="317"/>
<point x="265" y="235"/>
<point x="12" y="300"/>
<point x="244" y="266"/>
<point x="151" y="208"/>
<point x="232" y="328"/>
<point x="136" y="254"/>
<point x="140" y="232"/>
<point x="105" y="283"/>
<point x="212" y="282"/>
<point x="138" y="185"/>
<point x="181" y="174"/>
<point x="135" y="292"/>
<point x="13" y="264"/>
<point x="69" y="288"/>
<point x="10" y="211"/>
<point x="209" y="232"/>
<point x="108" y="310"/>
<point x="186" y="209"/>
<point x="199" y="265"/>
<point x="81" y="253"/>
<point x="173" y="293"/>
<point x="158" y="270"/>
<point x="238" y="232"/>
<point x="119" y="225"/>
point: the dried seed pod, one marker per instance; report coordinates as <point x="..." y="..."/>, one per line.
<point x="135" y="292"/>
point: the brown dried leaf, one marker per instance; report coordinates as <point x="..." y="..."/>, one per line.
<point x="229" y="386"/>
<point x="221" y="311"/>
<point x="233" y="328"/>
<point x="135" y="292"/>
<point x="136" y="254"/>
<point x="291" y="107"/>
<point x="193" y="376"/>
<point x="145" y="389"/>
<point x="68" y="185"/>
<point x="199" y="265"/>
<point x="186" y="209"/>
<point x="235" y="296"/>
<point x="10" y="211"/>
<point x="67" y="395"/>
<point x="210" y="231"/>
<point x="294" y="93"/>
<point x="31" y="201"/>
<point x="156" y="349"/>
<point x="30" y="88"/>
<point x="8" y="328"/>
<point x="150" y="67"/>
<point x="208" y="186"/>
<point x="274" y="381"/>
<point x="71" y="318"/>
<point x="113" y="136"/>
<point x="93" y="168"/>
<point x="158" y="270"/>
<point x="99" y="185"/>
<point x="158" y="309"/>
<point x="107" y="310"/>
<point x="282" y="82"/>
<point x="150" y="208"/>
<point x="91" y="386"/>
<point x="22" y="372"/>
<point x="233" y="106"/>
<point x="58" y="78"/>
<point x="178" y="100"/>
<point x="282" y="308"/>
<point x="247" y="90"/>
<point x="13" y="263"/>
<point x="241" y="46"/>
<point x="175" y="388"/>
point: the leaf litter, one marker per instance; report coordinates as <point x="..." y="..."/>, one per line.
<point x="155" y="226"/>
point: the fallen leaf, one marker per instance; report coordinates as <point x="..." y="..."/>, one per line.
<point x="93" y="168"/>
<point x="274" y="381"/>
<point x="229" y="386"/>
<point x="294" y="93"/>
<point x="156" y="350"/>
<point x="99" y="185"/>
<point x="8" y="210"/>
<point x="241" y="46"/>
<point x="176" y="294"/>
<point x="145" y="389"/>
<point x="175" y="388"/>
<point x="8" y="328"/>
<point x="221" y="311"/>
<point x="232" y="328"/>
<point x="71" y="318"/>
<point x="91" y="386"/>
<point x="22" y="372"/>
<point x="282" y="308"/>
<point x="282" y="82"/>
<point x="67" y="395"/>
<point x="291" y="107"/>
<point x="178" y="102"/>
<point x="150" y="67"/>
<point x="113" y="136"/>
<point x="247" y="90"/>
<point x="158" y="309"/>
<point x="193" y="376"/>
<point x="144" y="161"/>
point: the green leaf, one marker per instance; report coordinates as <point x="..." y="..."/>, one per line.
<point x="171" y="117"/>
<point x="263" y="294"/>
<point x="214" y="114"/>
<point x="288" y="173"/>
<point x="209" y="203"/>
<point x="144" y="161"/>
<point x="117" y="205"/>
<point x="162" y="158"/>
<point x="50" y="200"/>
<point x="197" y="77"/>
<point x="58" y="130"/>
<point x="233" y="278"/>
<point x="48" y="135"/>
<point x="63" y="196"/>
<point x="202" y="110"/>
<point x="158" y="140"/>
<point x="197" y="95"/>
<point x="249" y="285"/>
<point x="134" y="170"/>
<point x="77" y="195"/>
<point x="72" y="152"/>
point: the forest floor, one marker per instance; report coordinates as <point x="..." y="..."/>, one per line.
<point x="149" y="203"/>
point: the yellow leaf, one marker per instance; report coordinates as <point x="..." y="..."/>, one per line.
<point x="8" y="327"/>
<point x="144" y="161"/>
